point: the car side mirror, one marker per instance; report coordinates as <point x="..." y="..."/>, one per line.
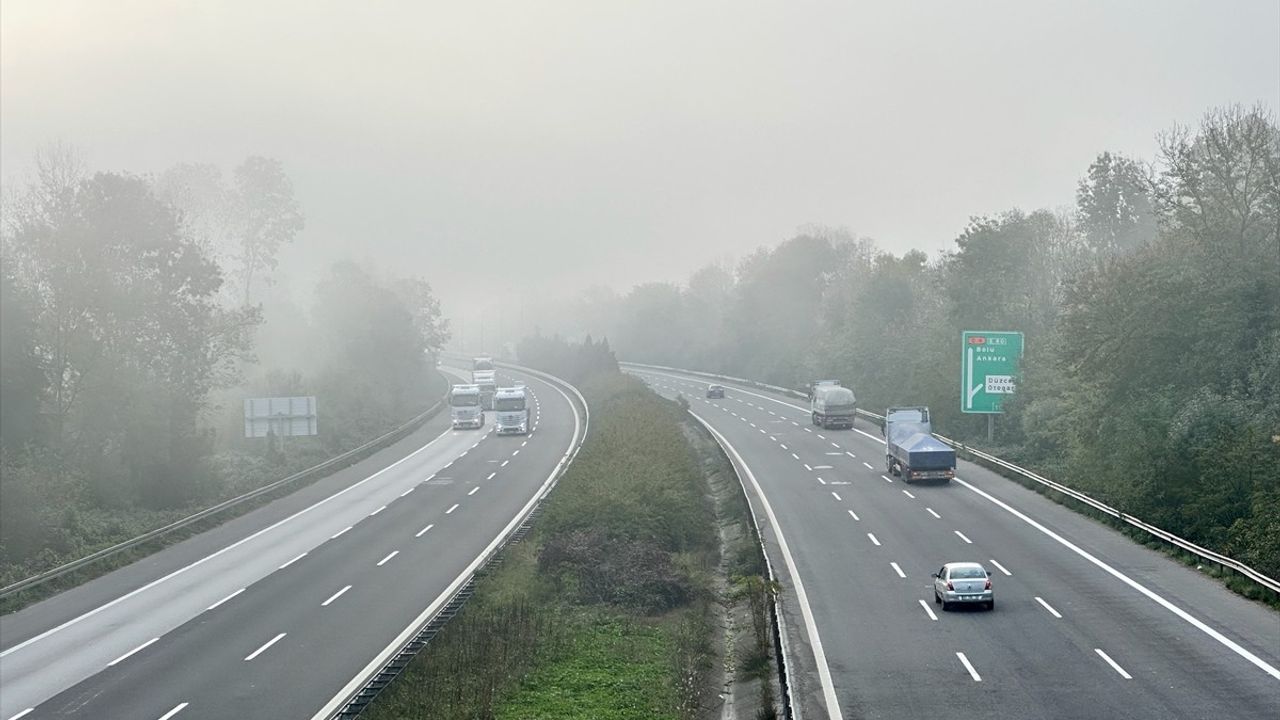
<point x="933" y="575"/>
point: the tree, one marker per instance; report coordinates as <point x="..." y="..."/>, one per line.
<point x="22" y="378"/>
<point x="241" y="225"/>
<point x="271" y="217"/>
<point x="430" y="323"/>
<point x="1115" y="206"/>
<point x="129" y="331"/>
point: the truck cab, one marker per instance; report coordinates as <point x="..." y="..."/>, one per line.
<point x="511" y="410"/>
<point x="464" y="407"/>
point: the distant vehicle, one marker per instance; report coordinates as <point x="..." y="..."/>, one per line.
<point x="511" y="411"/>
<point x="964" y="583"/>
<point x="464" y="407"/>
<point x="483" y="374"/>
<point x="715" y="391"/>
<point x="833" y="406"/>
<point x="911" y="450"/>
<point x="488" y="386"/>
<point x="810" y="387"/>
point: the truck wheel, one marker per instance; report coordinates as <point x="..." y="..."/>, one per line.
<point x="813" y="419"/>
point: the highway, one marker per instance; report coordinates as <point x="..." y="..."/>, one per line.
<point x="1087" y="623"/>
<point x="275" y="613"/>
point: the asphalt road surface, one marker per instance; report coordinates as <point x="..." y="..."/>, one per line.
<point x="272" y="614"/>
<point x="1087" y="623"/>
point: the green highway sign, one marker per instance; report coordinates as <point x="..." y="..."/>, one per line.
<point x="988" y="369"/>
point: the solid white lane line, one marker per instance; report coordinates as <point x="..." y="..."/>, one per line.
<point x="908" y="494"/>
<point x="263" y="649"/>
<point x="215" y="605"/>
<point x="293" y="561"/>
<point x="968" y="666"/>
<point x="473" y="490"/>
<point x="1000" y="567"/>
<point x="335" y="596"/>
<point x="854" y="515"/>
<point x="931" y="512"/>
<point x="176" y="709"/>
<point x="406" y="492"/>
<point x="835" y="495"/>
<point x="455" y="507"/>
<point x="806" y="612"/>
<point x="384" y="560"/>
<point x="962" y="537"/>
<point x="874" y="541"/>
<point x="423" y="531"/>
<point x="928" y="611"/>
<point x="846" y="452"/>
<point x="867" y="465"/>
<point x="1186" y="616"/>
<point x="1048" y="607"/>
<point x="375" y="512"/>
<point x="899" y="571"/>
<point x="126" y="656"/>
<point x="1114" y="665"/>
<point x="30" y="710"/>
<point x="491" y="476"/>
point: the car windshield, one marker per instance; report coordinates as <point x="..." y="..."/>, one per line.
<point x="967" y="573"/>
<point x="464" y="400"/>
<point x="483" y="365"/>
<point x="509" y="404"/>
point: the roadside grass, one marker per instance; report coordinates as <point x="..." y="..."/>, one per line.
<point x="608" y="607"/>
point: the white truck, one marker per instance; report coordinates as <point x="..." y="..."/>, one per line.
<point x="511" y="410"/>
<point x="482" y="375"/>
<point x="464" y="407"/>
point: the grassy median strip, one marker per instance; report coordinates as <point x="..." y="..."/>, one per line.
<point x="611" y="608"/>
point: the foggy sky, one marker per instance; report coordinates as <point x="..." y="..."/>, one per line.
<point x="553" y="145"/>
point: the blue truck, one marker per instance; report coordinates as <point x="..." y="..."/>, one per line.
<point x="911" y="450"/>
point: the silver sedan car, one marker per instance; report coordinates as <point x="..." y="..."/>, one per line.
<point x="963" y="583"/>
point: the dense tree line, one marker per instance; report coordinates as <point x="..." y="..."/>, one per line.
<point x="125" y="358"/>
<point x="1151" y="312"/>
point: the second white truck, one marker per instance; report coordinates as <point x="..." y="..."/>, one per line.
<point x="511" y="411"/>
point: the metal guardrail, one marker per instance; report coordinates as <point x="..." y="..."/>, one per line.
<point x="338" y="460"/>
<point x="991" y="460"/>
<point x="421" y="633"/>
